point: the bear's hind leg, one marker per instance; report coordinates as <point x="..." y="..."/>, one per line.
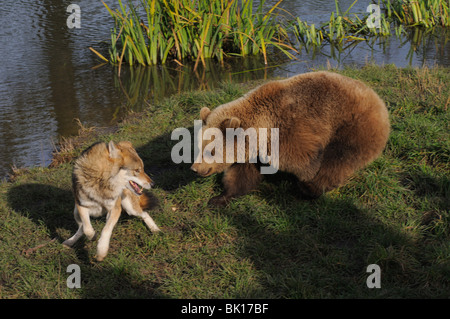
<point x="339" y="162"/>
<point x="354" y="147"/>
<point x="238" y="180"/>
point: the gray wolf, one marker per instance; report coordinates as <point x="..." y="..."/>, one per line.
<point x="107" y="178"/>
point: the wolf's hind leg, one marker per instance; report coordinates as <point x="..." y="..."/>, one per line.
<point x="72" y="240"/>
<point x="149" y="222"/>
<point x="84" y="215"/>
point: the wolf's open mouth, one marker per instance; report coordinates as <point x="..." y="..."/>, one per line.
<point x="136" y="187"/>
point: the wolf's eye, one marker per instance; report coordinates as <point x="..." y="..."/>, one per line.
<point x="137" y="170"/>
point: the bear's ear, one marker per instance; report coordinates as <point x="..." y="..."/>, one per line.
<point x="204" y="112"/>
<point x="232" y="122"/>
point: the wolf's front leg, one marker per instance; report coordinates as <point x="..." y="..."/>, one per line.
<point x="111" y="221"/>
<point x="131" y="204"/>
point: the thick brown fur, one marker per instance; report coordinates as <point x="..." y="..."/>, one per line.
<point x="329" y="126"/>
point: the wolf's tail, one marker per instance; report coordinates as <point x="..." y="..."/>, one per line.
<point x="147" y="201"/>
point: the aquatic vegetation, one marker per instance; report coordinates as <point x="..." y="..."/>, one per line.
<point x="158" y="30"/>
<point x="341" y="27"/>
<point x="155" y="31"/>
<point x="424" y="13"/>
<point x="349" y="27"/>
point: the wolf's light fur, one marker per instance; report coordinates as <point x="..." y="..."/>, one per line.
<point x="101" y="182"/>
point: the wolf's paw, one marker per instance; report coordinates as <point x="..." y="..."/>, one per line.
<point x="99" y="257"/>
<point x="102" y="251"/>
<point x="156" y="230"/>
<point x="68" y="243"/>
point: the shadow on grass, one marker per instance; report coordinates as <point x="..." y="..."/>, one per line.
<point x="304" y="249"/>
<point x="317" y="249"/>
<point x="321" y="248"/>
<point x="300" y="249"/>
<point x="431" y="188"/>
<point x="117" y="281"/>
<point x="44" y="204"/>
<point x="158" y="163"/>
<point x="51" y="206"/>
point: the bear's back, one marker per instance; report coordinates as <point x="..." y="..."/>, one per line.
<point x="321" y="101"/>
<point x="315" y="97"/>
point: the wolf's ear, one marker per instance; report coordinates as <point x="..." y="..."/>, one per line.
<point x="113" y="150"/>
<point x="125" y="144"/>
<point x="204" y="112"/>
<point x="232" y="122"/>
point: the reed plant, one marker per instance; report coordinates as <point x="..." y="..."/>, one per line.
<point x="424" y="13"/>
<point x="154" y="31"/>
<point x="157" y="30"/>
<point x="342" y="26"/>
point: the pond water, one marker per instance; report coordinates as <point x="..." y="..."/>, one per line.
<point x="48" y="76"/>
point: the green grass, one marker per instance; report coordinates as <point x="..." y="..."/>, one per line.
<point x="394" y="213"/>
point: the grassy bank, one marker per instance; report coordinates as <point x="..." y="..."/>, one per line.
<point x="395" y="213"/>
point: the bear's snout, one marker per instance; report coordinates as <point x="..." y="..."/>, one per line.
<point x="201" y="171"/>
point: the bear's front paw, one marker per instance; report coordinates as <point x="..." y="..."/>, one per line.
<point x="308" y="191"/>
<point x="220" y="200"/>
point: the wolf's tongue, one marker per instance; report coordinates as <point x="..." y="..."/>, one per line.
<point x="136" y="187"/>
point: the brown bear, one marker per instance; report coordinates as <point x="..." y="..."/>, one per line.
<point x="329" y="125"/>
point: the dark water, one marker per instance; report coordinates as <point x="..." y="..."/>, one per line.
<point x="48" y="76"/>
